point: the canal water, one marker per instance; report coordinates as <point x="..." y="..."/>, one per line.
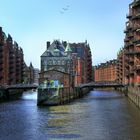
<point x="102" y="115"/>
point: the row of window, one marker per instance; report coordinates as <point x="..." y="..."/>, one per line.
<point x="56" y="62"/>
<point x="57" y="53"/>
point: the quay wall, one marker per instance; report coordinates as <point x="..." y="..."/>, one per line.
<point x="6" y="95"/>
<point x="67" y="95"/>
<point x="64" y="95"/>
<point x="3" y="94"/>
<point x="134" y="95"/>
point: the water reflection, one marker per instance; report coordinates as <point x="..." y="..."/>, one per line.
<point x="29" y="95"/>
<point x="102" y="115"/>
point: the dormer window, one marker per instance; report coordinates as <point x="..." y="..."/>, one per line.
<point x="56" y="52"/>
<point x="48" y="53"/>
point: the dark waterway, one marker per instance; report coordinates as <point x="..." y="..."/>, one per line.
<point x="102" y="115"/>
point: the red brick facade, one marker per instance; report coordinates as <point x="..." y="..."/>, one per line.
<point x="128" y="59"/>
<point x="83" y="68"/>
<point x="11" y="61"/>
<point x="132" y="44"/>
<point x="71" y="58"/>
<point x="121" y="67"/>
<point x="106" y="72"/>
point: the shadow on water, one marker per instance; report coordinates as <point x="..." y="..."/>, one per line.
<point x="109" y="94"/>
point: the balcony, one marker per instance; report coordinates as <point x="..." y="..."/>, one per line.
<point x="137" y="50"/>
<point x="126" y="58"/>
<point x="127" y="73"/>
<point x="127" y="67"/>
<point x="11" y="68"/>
<point x="132" y="72"/>
<point x="131" y="52"/>
<point x="136" y="16"/>
<point x="11" y="57"/>
<point x="130" y="35"/>
<point x="137" y="67"/>
<point x="126" y="40"/>
<point x="126" y="31"/>
<point x="137" y="42"/>
<point x="130" y="44"/>
<point x="138" y="30"/>
<point x="129" y="16"/>
<point x="11" y="52"/>
<point x="131" y="60"/>
<point x="11" y="60"/>
<point x="136" y="3"/>
<point x="128" y="28"/>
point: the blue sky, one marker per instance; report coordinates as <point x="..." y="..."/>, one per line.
<point x="33" y="22"/>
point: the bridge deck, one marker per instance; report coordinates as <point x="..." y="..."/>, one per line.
<point x="22" y="86"/>
<point x="103" y="85"/>
<point x="92" y="85"/>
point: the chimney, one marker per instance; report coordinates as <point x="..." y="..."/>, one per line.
<point x="48" y="44"/>
<point x="1" y="30"/>
<point x="65" y="43"/>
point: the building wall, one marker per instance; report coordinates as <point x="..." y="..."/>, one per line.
<point x="121" y="67"/>
<point x="11" y="61"/>
<point x="106" y="72"/>
<point x="77" y="62"/>
<point x="64" y="78"/>
<point x="55" y="57"/>
<point x="36" y="76"/>
<point x="132" y="44"/>
<point x="84" y="61"/>
<point x="29" y="74"/>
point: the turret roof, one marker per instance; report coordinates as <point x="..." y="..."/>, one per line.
<point x="68" y="48"/>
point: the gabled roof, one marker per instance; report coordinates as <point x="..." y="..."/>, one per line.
<point x="4" y="35"/>
<point x="46" y="53"/>
<point x="68" y="48"/>
<point x="56" y="46"/>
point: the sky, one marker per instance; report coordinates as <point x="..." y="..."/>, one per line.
<point x="32" y="23"/>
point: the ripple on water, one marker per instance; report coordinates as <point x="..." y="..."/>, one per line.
<point x="64" y="136"/>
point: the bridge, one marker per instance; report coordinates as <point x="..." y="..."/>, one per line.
<point x="7" y="92"/>
<point x="92" y="85"/>
<point x="102" y="85"/>
<point x="22" y="86"/>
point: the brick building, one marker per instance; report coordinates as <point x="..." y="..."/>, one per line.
<point x="132" y="44"/>
<point x="121" y="67"/>
<point x="36" y="76"/>
<point x="106" y="72"/>
<point x="84" y="61"/>
<point x="71" y="58"/>
<point x="11" y="61"/>
<point x="57" y="57"/>
<point x="31" y="75"/>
